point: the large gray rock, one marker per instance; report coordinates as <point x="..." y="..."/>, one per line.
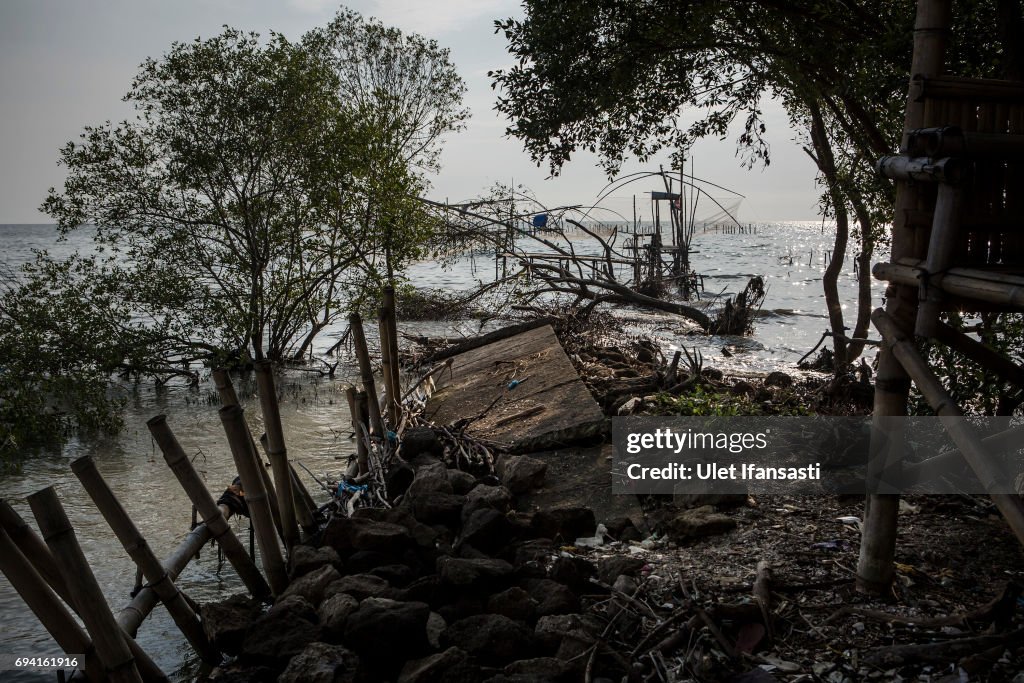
<point x="305" y="559"/>
<point x="420" y="441"/>
<point x="348" y="534"/>
<point x="462" y="482"/>
<point x="491" y="638"/>
<point x="312" y="585"/>
<point x="281" y="633"/>
<point x="552" y="597"/>
<point x="226" y="622"/>
<point x="476" y="573"/>
<point x="321" y="663"/>
<point x="436" y="507"/>
<point x="379" y="625"/>
<point x="521" y="473"/>
<point x="484" y="496"/>
<point x="333" y="613"/>
<point x="551" y="629"/>
<point x="614" y="566"/>
<point x="359" y="586"/>
<point x="541" y="669"/>
<point x="514" y="603"/>
<point x="485" y="530"/>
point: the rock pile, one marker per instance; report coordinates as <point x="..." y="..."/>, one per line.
<point x="452" y="584"/>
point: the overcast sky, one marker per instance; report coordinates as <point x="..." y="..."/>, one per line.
<point x="65" y="64"/>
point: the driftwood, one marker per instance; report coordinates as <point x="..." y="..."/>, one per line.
<point x="943" y="651"/>
<point x="485" y="339"/>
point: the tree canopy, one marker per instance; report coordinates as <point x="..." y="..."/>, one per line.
<point x="251" y="201"/>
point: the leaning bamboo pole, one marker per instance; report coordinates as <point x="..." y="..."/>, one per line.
<point x="303" y="511"/>
<point x="134" y="613"/>
<point x="34" y="549"/>
<point x="47" y="607"/>
<point x="138" y="549"/>
<point x="228" y="397"/>
<point x="357" y="408"/>
<point x="366" y="374"/>
<point x="875" y="565"/>
<point x="211" y="513"/>
<point x="277" y="452"/>
<point x="239" y="439"/>
<point x="39" y="556"/>
<point x="972" y="448"/>
<point x="970" y="283"/>
<point x="107" y="637"/>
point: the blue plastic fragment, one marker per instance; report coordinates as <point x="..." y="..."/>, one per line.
<point x="392" y="437"/>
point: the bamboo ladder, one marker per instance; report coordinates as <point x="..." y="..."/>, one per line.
<point x="956" y="244"/>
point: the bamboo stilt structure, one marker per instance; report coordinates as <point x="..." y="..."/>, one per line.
<point x="47" y="607"/>
<point x="140" y="552"/>
<point x="134" y="613"/>
<point x="107" y="637"/>
<point x="240" y="441"/>
<point x="945" y="407"/>
<point x="366" y="374"/>
<point x="228" y="397"/>
<point x="212" y="514"/>
<point x="277" y="452"/>
<point x="875" y="568"/>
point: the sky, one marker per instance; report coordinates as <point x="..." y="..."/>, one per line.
<point x="66" y="64"/>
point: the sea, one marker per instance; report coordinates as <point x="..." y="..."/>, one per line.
<point x="790" y="256"/>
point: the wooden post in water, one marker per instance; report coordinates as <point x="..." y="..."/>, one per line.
<point x="228" y="397"/>
<point x="211" y="513"/>
<point x="140" y="552"/>
<point x="366" y="373"/>
<point x="389" y="322"/>
<point x="255" y="496"/>
<point x="106" y="635"/>
<point x="303" y="511"/>
<point x="277" y="452"/>
<point x="134" y="613"/>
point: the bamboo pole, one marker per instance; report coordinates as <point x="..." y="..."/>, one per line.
<point x="305" y="506"/>
<point x="47" y="607"/>
<point x="138" y="549"/>
<point x="392" y="370"/>
<point x="211" y="513"/>
<point x="942" y="246"/>
<point x="357" y="407"/>
<point x="255" y="496"/>
<point x="34" y="549"/>
<point x="969" y="283"/>
<point x="42" y="561"/>
<point x="366" y="373"/>
<point x="134" y="613"/>
<point x="875" y="568"/>
<point x="277" y="452"/>
<point x="937" y="465"/>
<point x="228" y="397"/>
<point x="980" y="353"/>
<point x="107" y="637"/>
<point x="974" y="452"/>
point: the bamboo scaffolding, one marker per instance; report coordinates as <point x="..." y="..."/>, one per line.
<point x="366" y="374"/>
<point x="875" y="565"/>
<point x="47" y="607"/>
<point x="969" y="283"/>
<point x="107" y="637"/>
<point x="974" y="452"/>
<point x="277" y="452"/>
<point x="954" y="141"/>
<point x="228" y="397"/>
<point x="134" y="613"/>
<point x="43" y="563"/>
<point x="138" y="549"/>
<point x="213" y="515"/>
<point x="240" y="441"/>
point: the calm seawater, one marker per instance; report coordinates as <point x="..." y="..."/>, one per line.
<point x="790" y="256"/>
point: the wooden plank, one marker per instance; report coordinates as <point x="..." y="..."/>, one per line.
<point x="548" y="397"/>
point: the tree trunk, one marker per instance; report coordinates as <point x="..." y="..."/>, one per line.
<point x="864" y="304"/>
<point x="830" y="280"/>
